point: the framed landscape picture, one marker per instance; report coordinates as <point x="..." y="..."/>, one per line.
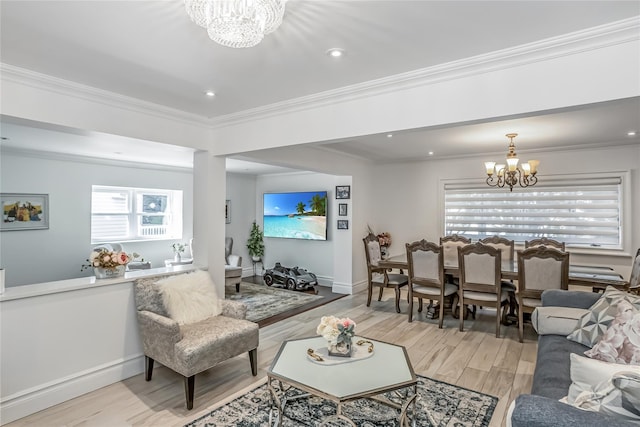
<point x="343" y="224"/>
<point x="21" y="211"/>
<point x="343" y="191"/>
<point x="342" y="209"/>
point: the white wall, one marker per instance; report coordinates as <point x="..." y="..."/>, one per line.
<point x="35" y="256"/>
<point x="411" y="193"/>
<point x="315" y="256"/>
<point x="241" y="192"/>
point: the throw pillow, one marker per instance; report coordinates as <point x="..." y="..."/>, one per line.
<point x="552" y="320"/>
<point x="190" y="298"/>
<point x="608" y="388"/>
<point x="587" y="373"/>
<point x="621" y="341"/>
<point x="601" y="314"/>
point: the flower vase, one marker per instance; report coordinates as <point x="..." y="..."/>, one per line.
<point x="340" y="349"/>
<point x="109" y="273"/>
<point x="177" y="257"/>
<point x="384" y="252"/>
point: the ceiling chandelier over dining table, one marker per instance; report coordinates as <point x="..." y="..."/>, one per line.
<point x="510" y="174"/>
<point x="236" y="23"/>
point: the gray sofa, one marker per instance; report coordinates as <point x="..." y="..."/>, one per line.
<point x="551" y="379"/>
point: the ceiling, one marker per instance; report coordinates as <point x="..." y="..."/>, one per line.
<point x="151" y="51"/>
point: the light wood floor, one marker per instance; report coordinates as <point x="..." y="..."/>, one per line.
<point x="474" y="359"/>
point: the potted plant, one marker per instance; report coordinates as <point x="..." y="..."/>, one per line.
<point x="255" y="244"/>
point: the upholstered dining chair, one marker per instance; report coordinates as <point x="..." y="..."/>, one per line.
<point x="380" y="277"/>
<point x="543" y="241"/>
<point x="426" y="276"/>
<point x="539" y="268"/>
<point x="480" y="282"/>
<point x="507" y="249"/>
<point x="634" y="279"/>
<point x="450" y="246"/>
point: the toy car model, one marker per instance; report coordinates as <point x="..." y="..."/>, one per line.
<point x="294" y="279"/>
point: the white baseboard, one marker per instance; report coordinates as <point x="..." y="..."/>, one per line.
<point x="44" y="396"/>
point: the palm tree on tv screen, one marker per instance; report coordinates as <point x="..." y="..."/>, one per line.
<point x="319" y="204"/>
<point x="301" y="207"/>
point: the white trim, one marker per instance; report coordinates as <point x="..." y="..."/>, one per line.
<point x="342" y="288"/>
<point x="46" y="395"/>
<point x="614" y="33"/>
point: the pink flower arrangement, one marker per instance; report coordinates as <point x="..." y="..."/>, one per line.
<point x="384" y="239"/>
<point x="336" y="330"/>
<point x="107" y="259"/>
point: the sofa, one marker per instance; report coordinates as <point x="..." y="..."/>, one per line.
<point x="232" y="265"/>
<point x="552" y="375"/>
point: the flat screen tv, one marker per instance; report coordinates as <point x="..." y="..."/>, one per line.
<point x="299" y="215"/>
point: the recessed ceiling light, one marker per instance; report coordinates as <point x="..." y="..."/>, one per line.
<point x="430" y="153"/>
<point x="335" y="52"/>
<point x="389" y="135"/>
<point x="631" y="133"/>
<point x="210" y="93"/>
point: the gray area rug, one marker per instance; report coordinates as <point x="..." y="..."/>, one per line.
<point x="438" y="404"/>
<point x="263" y="302"/>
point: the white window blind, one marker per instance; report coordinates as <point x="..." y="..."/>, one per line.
<point x="125" y="214"/>
<point x="579" y="212"/>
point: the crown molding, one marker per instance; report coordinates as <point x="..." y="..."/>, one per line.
<point x="48" y="155"/>
<point x="45" y="82"/>
<point x="624" y="31"/>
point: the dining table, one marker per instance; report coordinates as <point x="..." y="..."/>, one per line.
<point x="595" y="277"/>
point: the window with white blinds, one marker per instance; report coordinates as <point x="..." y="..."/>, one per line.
<point x="124" y="214"/>
<point x="580" y="212"/>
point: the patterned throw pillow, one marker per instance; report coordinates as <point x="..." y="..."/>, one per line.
<point x="592" y="326"/>
<point x="621" y="341"/>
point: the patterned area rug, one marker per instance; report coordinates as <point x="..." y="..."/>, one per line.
<point x="438" y="404"/>
<point x="264" y="302"/>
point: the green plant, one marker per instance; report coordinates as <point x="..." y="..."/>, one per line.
<point x="255" y="243"/>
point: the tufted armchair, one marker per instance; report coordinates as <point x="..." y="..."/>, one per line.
<point x="232" y="265"/>
<point x="191" y="348"/>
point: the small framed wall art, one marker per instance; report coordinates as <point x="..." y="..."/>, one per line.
<point x="342" y="209"/>
<point x="227" y="212"/>
<point x="343" y="224"/>
<point x="343" y="191"/>
<point x="22" y="211"/>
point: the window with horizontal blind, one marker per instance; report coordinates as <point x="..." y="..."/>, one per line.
<point x="124" y="214"/>
<point x="580" y="212"/>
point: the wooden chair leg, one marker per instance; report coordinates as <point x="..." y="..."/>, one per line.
<point x="441" y="312"/>
<point x="498" y="318"/>
<point x="369" y="294"/>
<point x="461" y="312"/>
<point x="380" y="294"/>
<point x="237" y="287"/>
<point x="419" y="305"/>
<point x="189" y="387"/>
<point x="410" y="308"/>
<point x="253" y="359"/>
<point x="148" y="368"/>
<point x="520" y="323"/>
<point x="397" y="299"/>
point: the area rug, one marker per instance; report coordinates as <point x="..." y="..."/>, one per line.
<point x="263" y="301"/>
<point x="438" y="404"/>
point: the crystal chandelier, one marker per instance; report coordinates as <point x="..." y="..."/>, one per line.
<point x="510" y="174"/>
<point x="236" y="23"/>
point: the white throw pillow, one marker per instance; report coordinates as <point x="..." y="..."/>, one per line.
<point x="587" y="373"/>
<point x="190" y="298"/>
<point x="608" y="388"/>
<point x="551" y="320"/>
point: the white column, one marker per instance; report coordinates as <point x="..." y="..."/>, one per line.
<point x="209" y="193"/>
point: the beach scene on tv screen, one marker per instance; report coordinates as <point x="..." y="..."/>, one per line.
<point x="301" y="215"/>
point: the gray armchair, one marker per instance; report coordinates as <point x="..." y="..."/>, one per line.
<point x="232" y="265"/>
<point x="189" y="349"/>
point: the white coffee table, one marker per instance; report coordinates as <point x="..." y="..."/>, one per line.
<point x="388" y="369"/>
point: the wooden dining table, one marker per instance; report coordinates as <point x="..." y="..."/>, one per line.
<point x="595" y="277"/>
